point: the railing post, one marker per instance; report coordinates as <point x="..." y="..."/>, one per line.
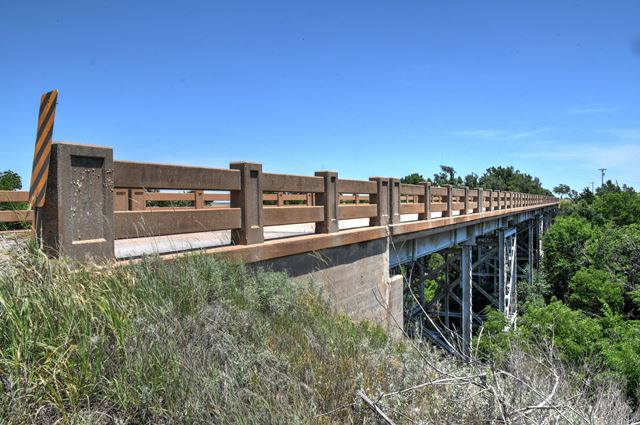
<point x="466" y="201"/>
<point x="490" y="199"/>
<point x="309" y="199"/>
<point x="394" y="201"/>
<point x="449" y="211"/>
<point x="137" y="200"/>
<point x="480" y="199"/>
<point x="381" y="199"/>
<point x="249" y="200"/>
<point x="120" y="200"/>
<point x="426" y="200"/>
<point x="77" y="217"/>
<point x="329" y="201"/>
<point x="280" y="199"/>
<point x="198" y="200"/>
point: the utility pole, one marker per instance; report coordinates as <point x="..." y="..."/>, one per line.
<point x="602" y="170"/>
<point x="592" y="190"/>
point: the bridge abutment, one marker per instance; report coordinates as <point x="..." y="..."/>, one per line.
<point x="355" y="278"/>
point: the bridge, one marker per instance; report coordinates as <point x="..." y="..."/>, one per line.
<point x="367" y="242"/>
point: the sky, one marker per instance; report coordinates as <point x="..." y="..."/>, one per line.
<point x="365" y="88"/>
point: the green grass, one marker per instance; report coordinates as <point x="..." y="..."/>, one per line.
<point x="196" y="340"/>
<point x="202" y="340"/>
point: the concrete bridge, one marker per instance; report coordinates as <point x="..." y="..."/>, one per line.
<point x="365" y="241"/>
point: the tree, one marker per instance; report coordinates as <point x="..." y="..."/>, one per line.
<point x="608" y="187"/>
<point x="592" y="290"/>
<point x="413" y="178"/>
<point x="508" y="178"/>
<point x="562" y="189"/>
<point x="471" y="180"/>
<point x="573" y="332"/>
<point x="10" y="180"/>
<point x="618" y="207"/>
<point x="447" y="175"/>
<point x="565" y="251"/>
<point x="620" y="349"/>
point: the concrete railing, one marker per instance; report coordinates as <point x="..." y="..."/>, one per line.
<point x="92" y="201"/>
<point x="11" y="207"/>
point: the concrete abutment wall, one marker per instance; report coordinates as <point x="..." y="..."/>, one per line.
<point x="355" y="278"/>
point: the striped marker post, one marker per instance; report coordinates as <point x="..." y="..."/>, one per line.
<point x="44" y="135"/>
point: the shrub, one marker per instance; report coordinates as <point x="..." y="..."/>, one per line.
<point x="591" y="290"/>
<point x="565" y="251"/>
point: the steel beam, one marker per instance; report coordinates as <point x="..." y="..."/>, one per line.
<point x="466" y="285"/>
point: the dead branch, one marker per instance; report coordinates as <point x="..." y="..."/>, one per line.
<point x="374" y="407"/>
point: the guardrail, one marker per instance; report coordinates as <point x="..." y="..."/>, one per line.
<point x="93" y="200"/>
<point x="12" y="208"/>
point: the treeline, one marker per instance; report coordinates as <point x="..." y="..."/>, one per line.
<point x="494" y="178"/>
<point x="585" y="301"/>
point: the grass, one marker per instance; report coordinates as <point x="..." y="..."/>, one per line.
<point x="202" y="340"/>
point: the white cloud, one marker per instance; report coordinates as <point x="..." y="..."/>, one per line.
<point x="501" y="134"/>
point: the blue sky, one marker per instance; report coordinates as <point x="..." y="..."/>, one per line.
<point x="362" y="87"/>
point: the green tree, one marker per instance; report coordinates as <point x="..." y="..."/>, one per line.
<point x="447" y="175"/>
<point x="509" y="178"/>
<point x="620" y="349"/>
<point x="575" y="334"/>
<point x="562" y="189"/>
<point x="565" y="251"/>
<point x="413" y="178"/>
<point x="620" y="208"/>
<point x="609" y="187"/>
<point x="10" y="180"/>
<point x="592" y="290"/>
<point x="471" y="180"/>
<point x="617" y="250"/>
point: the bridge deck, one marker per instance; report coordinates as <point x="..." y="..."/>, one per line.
<point x="130" y="248"/>
<point x="282" y="241"/>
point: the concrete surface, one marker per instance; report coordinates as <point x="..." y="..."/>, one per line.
<point x="130" y="248"/>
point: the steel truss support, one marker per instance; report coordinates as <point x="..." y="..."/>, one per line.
<point x="508" y="271"/>
<point x="466" y="287"/>
<point x="483" y="272"/>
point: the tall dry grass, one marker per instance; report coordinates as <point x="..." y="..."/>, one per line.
<point x="202" y="340"/>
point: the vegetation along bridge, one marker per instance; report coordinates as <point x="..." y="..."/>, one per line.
<point x="366" y="242"/>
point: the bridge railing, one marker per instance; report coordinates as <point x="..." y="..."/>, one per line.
<point x="88" y="190"/>
<point x="13" y="212"/>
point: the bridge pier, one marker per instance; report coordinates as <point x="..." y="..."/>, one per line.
<point x="477" y="272"/>
<point x="466" y="287"/>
